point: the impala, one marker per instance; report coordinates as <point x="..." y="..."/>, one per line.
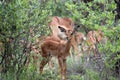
<point x="93" y="38"/>
<point x="67" y="23"/>
<point x="59" y="48"/>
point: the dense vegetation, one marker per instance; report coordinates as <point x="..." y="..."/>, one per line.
<point x="23" y="21"/>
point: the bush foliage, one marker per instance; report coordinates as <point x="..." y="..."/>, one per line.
<point x="22" y="21"/>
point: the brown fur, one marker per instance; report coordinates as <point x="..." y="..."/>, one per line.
<point x="93" y="38"/>
<point x="58" y="21"/>
<point x="77" y="39"/>
<point x="53" y="46"/>
<point x="67" y="23"/>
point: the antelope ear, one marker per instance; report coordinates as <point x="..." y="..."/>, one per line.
<point x="61" y="29"/>
<point x="77" y="27"/>
<point x="70" y="22"/>
<point x="57" y="19"/>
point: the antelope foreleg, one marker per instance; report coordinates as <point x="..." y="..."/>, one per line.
<point x="44" y="61"/>
<point x="62" y="64"/>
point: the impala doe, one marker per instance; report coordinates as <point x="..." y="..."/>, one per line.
<point x="67" y="23"/>
<point x="59" y="48"/>
<point x="93" y="38"/>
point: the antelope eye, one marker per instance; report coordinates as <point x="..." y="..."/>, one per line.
<point x="61" y="29"/>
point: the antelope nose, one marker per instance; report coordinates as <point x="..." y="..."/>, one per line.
<point x="80" y="44"/>
<point x="67" y="38"/>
